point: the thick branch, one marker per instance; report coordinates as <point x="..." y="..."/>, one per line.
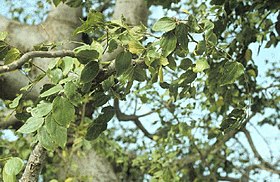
<point x="34" y="165"/>
<point x="35" y="54"/>
<point x="124" y="117"/>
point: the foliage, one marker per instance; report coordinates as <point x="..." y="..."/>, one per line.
<point x="178" y="67"/>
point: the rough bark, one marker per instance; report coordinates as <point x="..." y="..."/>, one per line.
<point x="34" y="164"/>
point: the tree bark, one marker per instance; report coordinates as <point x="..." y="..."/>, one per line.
<point x="34" y="164"/>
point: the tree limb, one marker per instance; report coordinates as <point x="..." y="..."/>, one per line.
<point x="34" y="54"/>
<point x="124" y="117"/>
<point x="264" y="165"/>
<point x="34" y="165"/>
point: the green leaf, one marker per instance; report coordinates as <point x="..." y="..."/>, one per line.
<point x="57" y="133"/>
<point x="248" y="55"/>
<point x="123" y="62"/>
<point x="164" y="24"/>
<point x="56" y="2"/>
<point x="184" y="129"/>
<point x="71" y="92"/>
<point x="42" y="109"/>
<point x="3" y="35"/>
<point x="100" y="98"/>
<point x="74" y="3"/>
<point x="86" y="54"/>
<point x="15" y="102"/>
<point x="12" y="55"/>
<point x="186" y="78"/>
<point x="234" y="119"/>
<point x="89" y="72"/>
<point x="182" y="34"/>
<point x="208" y="25"/>
<point x="63" y="111"/>
<point x="168" y="43"/>
<point x="211" y="38"/>
<point x="139" y="74"/>
<point x="160" y="74"/>
<point x="135" y="47"/>
<point x="67" y="65"/>
<point x="45" y="139"/>
<point x="55" y="75"/>
<point x="8" y="178"/>
<point x="52" y="64"/>
<point x="100" y="124"/>
<point x="200" y="48"/>
<point x="32" y="124"/>
<point x="232" y="71"/>
<point x="201" y="65"/>
<point x="94" y="20"/>
<point x="13" y="166"/>
<point x="94" y="130"/>
<point x="51" y="91"/>
<point x="163" y="61"/>
<point x="185" y="64"/>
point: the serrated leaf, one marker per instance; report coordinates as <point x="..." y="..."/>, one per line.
<point x="86" y="54"/>
<point x="13" y="166"/>
<point x="168" y="43"/>
<point x="51" y="91"/>
<point x="45" y="139"/>
<point x="89" y="72"/>
<point x="42" y="109"/>
<point x="15" y="102"/>
<point x="201" y="65"/>
<point x="63" y="111"/>
<point x="123" y="62"/>
<point x="32" y="124"/>
<point x="57" y="133"/>
<point x="164" y="24"/>
<point x="71" y="92"/>
<point x="232" y="71"/>
<point x="12" y="55"/>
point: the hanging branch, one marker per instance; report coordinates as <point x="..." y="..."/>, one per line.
<point x="124" y="117"/>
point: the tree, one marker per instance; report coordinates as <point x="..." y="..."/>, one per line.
<point x="188" y="84"/>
